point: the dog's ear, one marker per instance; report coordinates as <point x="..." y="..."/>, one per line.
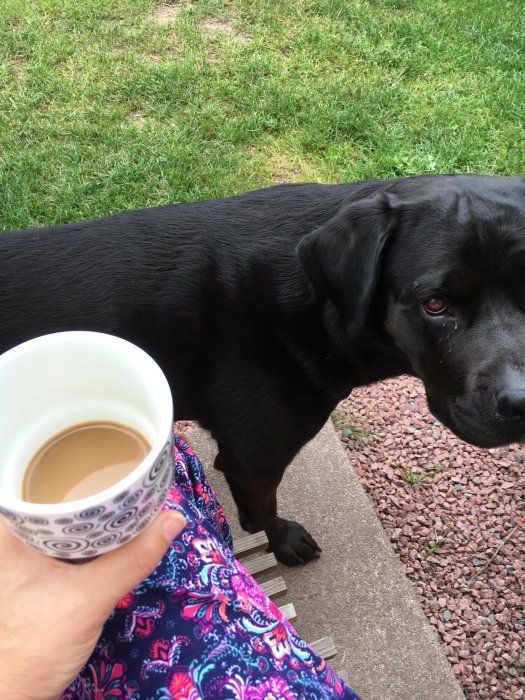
<point x="342" y="258"/>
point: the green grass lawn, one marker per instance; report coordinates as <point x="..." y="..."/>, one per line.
<point x="104" y="107"/>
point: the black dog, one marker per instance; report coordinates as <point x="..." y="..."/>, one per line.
<point x="266" y="309"/>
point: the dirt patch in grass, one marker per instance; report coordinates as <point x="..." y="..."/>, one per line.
<point x="214" y="27"/>
<point x="285" y="167"/>
<point x="287" y="172"/>
<point x="164" y="14"/>
<point x="138" y="120"/>
<point x="19" y="63"/>
<point x="272" y="163"/>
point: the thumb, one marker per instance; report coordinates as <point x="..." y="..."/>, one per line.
<point x="113" y="575"/>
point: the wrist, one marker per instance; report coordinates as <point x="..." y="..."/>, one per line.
<point x="9" y="690"/>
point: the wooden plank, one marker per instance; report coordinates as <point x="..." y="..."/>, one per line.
<point x="250" y="544"/>
<point x="261" y="565"/>
<point x="325" y="647"/>
<point x="274" y="587"/>
<point x="288" y="611"/>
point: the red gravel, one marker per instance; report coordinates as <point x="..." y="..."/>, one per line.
<point x="455" y="517"/>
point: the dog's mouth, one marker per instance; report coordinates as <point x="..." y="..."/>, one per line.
<point x="476" y="422"/>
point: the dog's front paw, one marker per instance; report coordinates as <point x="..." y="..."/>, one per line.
<point x="292" y="544"/>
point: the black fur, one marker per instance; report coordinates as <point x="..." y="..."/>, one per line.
<point x="266" y="309"/>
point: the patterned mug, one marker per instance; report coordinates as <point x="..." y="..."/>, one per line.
<point x="57" y="381"/>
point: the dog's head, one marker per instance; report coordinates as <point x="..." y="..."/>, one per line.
<point x="439" y="262"/>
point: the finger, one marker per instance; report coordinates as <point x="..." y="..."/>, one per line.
<point x="113" y="575"/>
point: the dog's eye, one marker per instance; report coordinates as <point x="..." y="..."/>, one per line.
<point x="435" y="306"/>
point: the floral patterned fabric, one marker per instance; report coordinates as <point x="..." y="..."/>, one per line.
<point x="199" y="627"/>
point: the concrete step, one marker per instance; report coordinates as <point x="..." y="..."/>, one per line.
<point x="356" y="592"/>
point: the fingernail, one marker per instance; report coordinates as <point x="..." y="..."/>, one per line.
<point x="172" y="525"/>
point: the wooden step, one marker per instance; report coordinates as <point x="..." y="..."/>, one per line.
<point x="288" y="611"/>
<point x="274" y="587"/>
<point x="261" y="565"/>
<point x="250" y="544"/>
<point x="325" y="647"/>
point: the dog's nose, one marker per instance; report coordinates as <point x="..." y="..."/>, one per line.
<point x="510" y="404"/>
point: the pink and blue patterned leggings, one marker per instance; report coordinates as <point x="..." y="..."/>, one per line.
<point x="199" y="626"/>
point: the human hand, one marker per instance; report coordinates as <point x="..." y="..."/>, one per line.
<point x="52" y="613"/>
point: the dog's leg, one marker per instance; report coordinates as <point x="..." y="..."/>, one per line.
<point x="225" y="465"/>
<point x="256" y="500"/>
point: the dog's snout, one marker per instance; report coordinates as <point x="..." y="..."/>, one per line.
<point x="510" y="400"/>
<point x="510" y="403"/>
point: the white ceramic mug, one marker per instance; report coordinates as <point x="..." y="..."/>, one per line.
<point x="54" y="382"/>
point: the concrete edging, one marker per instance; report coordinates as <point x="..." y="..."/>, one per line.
<point x="356" y="591"/>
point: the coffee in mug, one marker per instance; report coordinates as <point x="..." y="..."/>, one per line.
<point x="83" y="460"/>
